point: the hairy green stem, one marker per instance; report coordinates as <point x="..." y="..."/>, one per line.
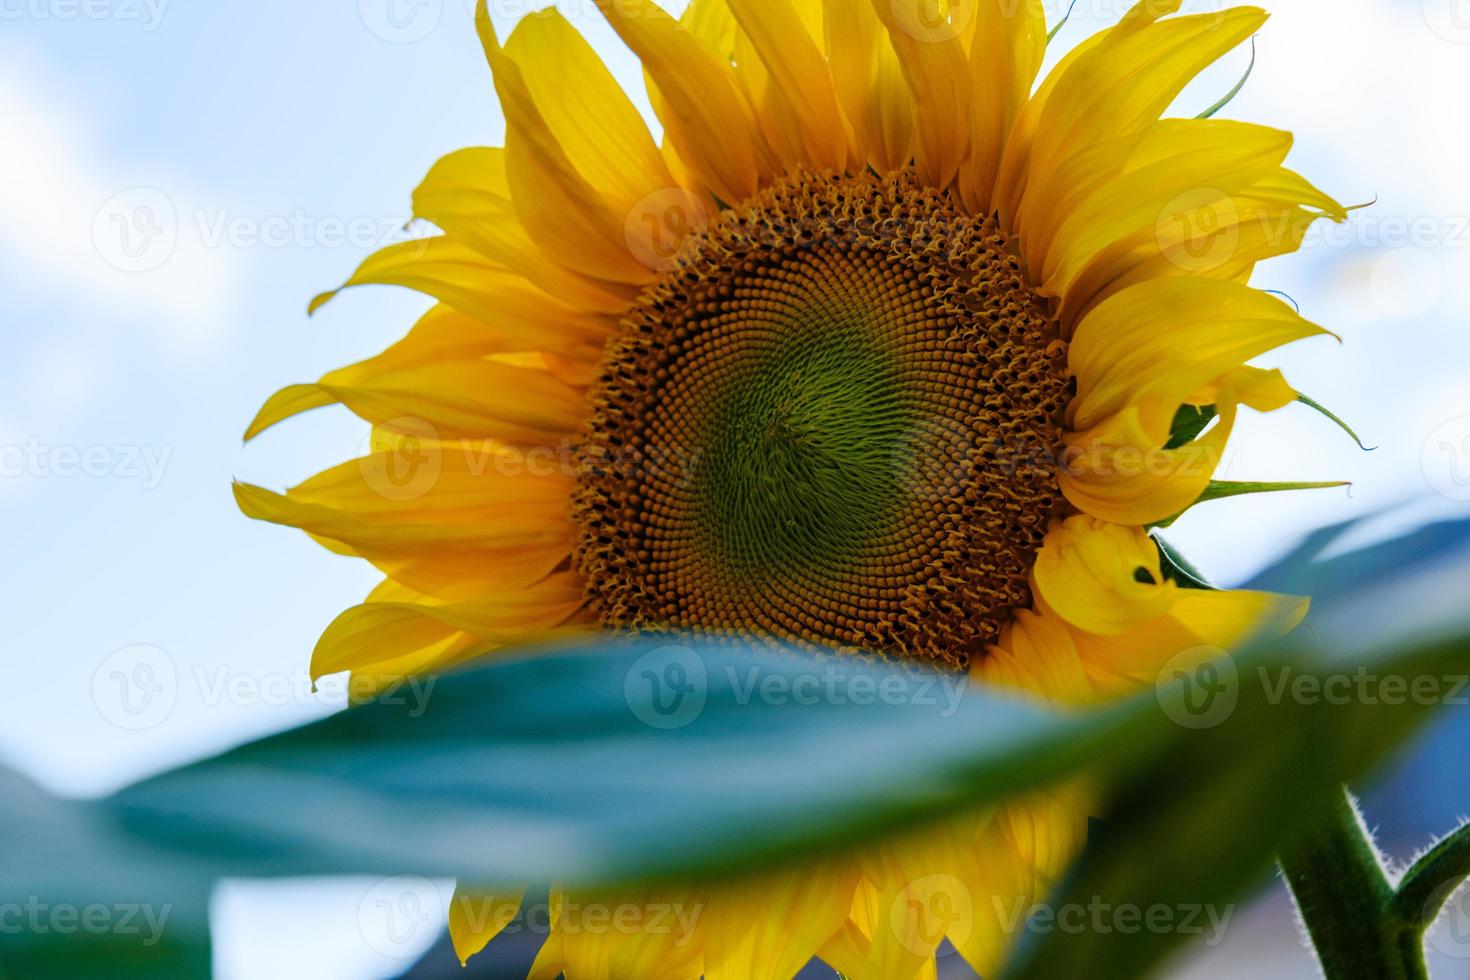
<point x="1430" y="883"/>
<point x="1348" y="903"/>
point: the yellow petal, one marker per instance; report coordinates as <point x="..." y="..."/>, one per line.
<point x="704" y="112"/>
<point x="1264" y="390"/>
<point x="469" y="399"/>
<point x="442" y="335"/>
<point x="870" y="84"/>
<point x="1155" y="343"/>
<point x="1204" y="160"/>
<point x="937" y="71"/>
<point x="768" y="926"/>
<point x="600" y="131"/>
<point x="1201" y="233"/>
<point x="401" y="631"/>
<point x="454" y="273"/>
<point x="564" y="213"/>
<point x="289" y="401"/>
<point x="917" y="901"/>
<point x="1209" y="621"/>
<point x="1101" y="577"/>
<point x="799" y="70"/>
<point x="1015" y="861"/>
<point x="652" y="933"/>
<point x="1111" y="87"/>
<point x="712" y="22"/>
<point x="453" y="524"/>
<point x="1005" y="54"/>
<point x="1119" y="472"/>
<point x="467" y="195"/>
<point x="476" y="917"/>
<point x="1035" y="655"/>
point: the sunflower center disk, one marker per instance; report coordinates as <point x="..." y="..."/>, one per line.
<point x="832" y="423"/>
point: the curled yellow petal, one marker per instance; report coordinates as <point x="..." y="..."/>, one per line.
<point x="1154" y="344"/>
<point x="1100" y="576"/>
<point x="565" y="214"/>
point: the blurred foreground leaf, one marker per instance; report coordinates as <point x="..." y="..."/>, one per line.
<point x="609" y="761"/>
<point x="81" y="900"/>
<point x="603" y="762"/>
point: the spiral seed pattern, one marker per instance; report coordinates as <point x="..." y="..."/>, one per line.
<point x="830" y="423"/>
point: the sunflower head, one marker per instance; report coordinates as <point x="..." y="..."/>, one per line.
<point x="882" y="346"/>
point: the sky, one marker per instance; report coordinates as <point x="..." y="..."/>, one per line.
<point x="179" y="177"/>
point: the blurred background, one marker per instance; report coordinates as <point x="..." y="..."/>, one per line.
<point x="179" y="177"/>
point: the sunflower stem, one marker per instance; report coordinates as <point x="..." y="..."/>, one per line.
<point x="1347" y="902"/>
<point x="1429" y="884"/>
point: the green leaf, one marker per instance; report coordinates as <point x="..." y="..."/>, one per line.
<point x="82" y="900"/>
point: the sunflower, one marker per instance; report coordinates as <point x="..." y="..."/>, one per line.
<point x="883" y="348"/>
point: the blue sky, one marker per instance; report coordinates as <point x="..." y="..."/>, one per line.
<point x="179" y="177"/>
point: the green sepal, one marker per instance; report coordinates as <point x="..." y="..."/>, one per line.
<point x="1188" y="423"/>
<point x="1061" y="23"/>
<point x="1178" y="569"/>
<point x="1230" y="95"/>
<point x="1316" y="406"/>
<point x="1221" y="489"/>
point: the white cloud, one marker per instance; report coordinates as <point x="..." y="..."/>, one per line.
<point x="86" y="228"/>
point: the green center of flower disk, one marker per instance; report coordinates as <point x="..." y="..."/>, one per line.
<point x="832" y="422"/>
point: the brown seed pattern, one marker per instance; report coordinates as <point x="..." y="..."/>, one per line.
<point x="833" y="422"/>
